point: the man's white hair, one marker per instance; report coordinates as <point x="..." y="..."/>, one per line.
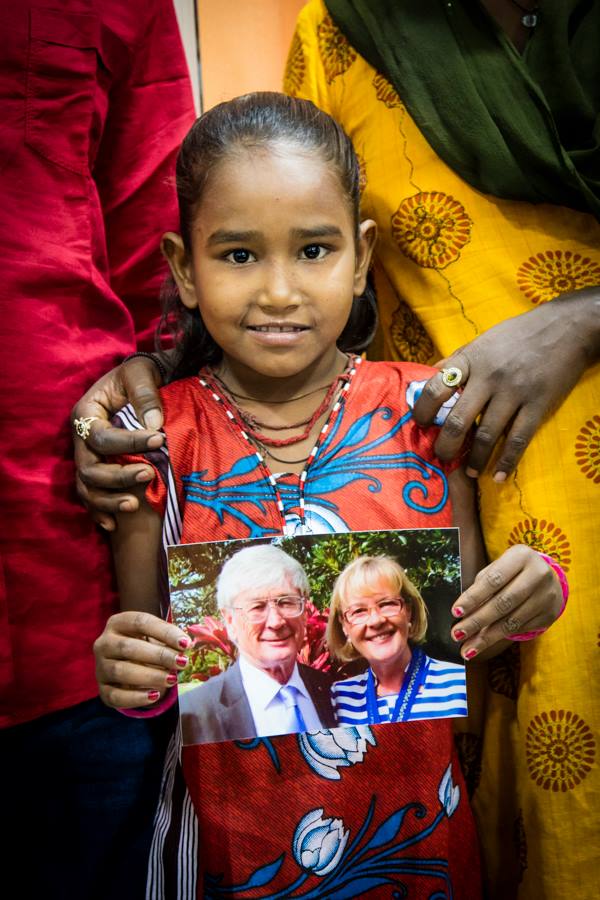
<point x="255" y="568"/>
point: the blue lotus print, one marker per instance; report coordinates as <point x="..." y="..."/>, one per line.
<point x="319" y="843"/>
<point x="381" y="853"/>
<point x="329" y="750"/>
<point x="448" y="792"/>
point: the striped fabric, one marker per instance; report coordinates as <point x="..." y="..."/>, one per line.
<point x="442" y="695"/>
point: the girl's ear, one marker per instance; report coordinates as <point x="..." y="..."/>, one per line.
<point x="367" y="234"/>
<point x="181" y="267"/>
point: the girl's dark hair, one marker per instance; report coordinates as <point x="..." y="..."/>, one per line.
<point x="255" y="120"/>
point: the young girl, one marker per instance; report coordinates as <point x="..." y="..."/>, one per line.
<point x="274" y="425"/>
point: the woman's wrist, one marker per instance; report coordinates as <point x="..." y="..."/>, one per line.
<point x="564" y="584"/>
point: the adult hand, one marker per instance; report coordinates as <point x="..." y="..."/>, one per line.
<point x="137" y="659"/>
<point x="519" y="592"/>
<point x="102" y="486"/>
<point x="513" y="376"/>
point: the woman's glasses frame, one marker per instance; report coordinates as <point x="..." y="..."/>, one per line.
<point x="388" y="607"/>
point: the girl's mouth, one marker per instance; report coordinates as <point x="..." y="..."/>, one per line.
<point x="277" y="328"/>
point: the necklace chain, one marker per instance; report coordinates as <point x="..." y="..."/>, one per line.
<point x="252" y="425"/>
<point x="231" y="409"/>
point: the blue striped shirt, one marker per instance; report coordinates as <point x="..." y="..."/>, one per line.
<point x="442" y="695"/>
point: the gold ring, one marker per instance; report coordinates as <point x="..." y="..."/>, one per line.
<point x="452" y="376"/>
<point x="84" y="426"/>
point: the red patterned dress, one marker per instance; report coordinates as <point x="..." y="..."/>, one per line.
<point x="342" y="813"/>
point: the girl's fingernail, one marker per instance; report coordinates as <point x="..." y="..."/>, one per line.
<point x="153" y="696"/>
<point x="181" y="661"/>
<point x="499" y="477"/>
<point x="471" y="472"/>
<point x="471" y="653"/>
<point x="457" y="612"/>
<point x="459" y="635"/>
<point x="184" y="643"/>
<point x="171" y="679"/>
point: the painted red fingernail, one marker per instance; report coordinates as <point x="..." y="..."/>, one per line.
<point x="471" y="653"/>
<point x="171" y="679"/>
<point x="458" y="611"/>
<point x="181" y="661"/>
<point x="459" y="635"/>
<point x="184" y="643"/>
<point x="153" y="696"/>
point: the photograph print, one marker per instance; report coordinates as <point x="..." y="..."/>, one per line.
<point x="305" y="633"/>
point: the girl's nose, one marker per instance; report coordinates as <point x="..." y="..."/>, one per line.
<point x="278" y="290"/>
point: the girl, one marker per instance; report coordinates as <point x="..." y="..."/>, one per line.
<point x="284" y="429"/>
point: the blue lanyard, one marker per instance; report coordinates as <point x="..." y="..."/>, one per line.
<point x="412" y="681"/>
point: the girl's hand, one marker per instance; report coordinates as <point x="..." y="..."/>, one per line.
<point x="138" y="656"/>
<point x="516" y="593"/>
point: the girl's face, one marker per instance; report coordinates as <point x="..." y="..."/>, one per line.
<point x="274" y="265"/>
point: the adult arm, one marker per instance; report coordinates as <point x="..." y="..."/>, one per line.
<point x="106" y="488"/>
<point x="515" y="374"/>
<point x="138" y="654"/>
<point x="518" y="592"/>
<point x="150" y="111"/>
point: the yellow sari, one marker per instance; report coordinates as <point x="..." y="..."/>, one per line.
<point x="453" y="262"/>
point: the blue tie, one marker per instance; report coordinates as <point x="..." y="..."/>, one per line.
<point x="288" y="694"/>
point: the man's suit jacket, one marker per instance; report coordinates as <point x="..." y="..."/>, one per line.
<point x="219" y="709"/>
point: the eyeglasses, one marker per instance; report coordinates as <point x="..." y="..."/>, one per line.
<point x="288" y="606"/>
<point x="388" y="608"/>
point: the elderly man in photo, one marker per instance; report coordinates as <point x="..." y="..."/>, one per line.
<point x="261" y="594"/>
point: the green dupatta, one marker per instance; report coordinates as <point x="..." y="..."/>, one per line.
<point x="521" y="127"/>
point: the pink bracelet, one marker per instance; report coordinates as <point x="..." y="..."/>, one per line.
<point x="529" y="635"/>
<point x="157" y="709"/>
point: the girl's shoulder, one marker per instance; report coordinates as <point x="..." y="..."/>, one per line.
<point x="402" y="383"/>
<point x="183" y="399"/>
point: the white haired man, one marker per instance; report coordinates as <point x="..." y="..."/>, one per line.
<point x="261" y="593"/>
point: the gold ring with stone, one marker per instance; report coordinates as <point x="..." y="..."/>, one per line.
<point x="452" y="376"/>
<point x="83" y="426"/>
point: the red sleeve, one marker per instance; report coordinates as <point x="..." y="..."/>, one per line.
<point x="156" y="490"/>
<point x="151" y="110"/>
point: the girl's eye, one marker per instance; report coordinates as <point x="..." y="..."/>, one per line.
<point x="239" y="256"/>
<point x="314" y="251"/>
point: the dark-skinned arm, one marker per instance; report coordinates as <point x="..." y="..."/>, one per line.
<point x="515" y="374"/>
<point x="107" y="488"/>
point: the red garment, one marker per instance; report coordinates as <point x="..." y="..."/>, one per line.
<point x="345" y="812"/>
<point x="95" y="100"/>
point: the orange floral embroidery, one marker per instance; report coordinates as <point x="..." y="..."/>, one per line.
<point x="431" y="228"/>
<point x="504" y="672"/>
<point x="545" y="537"/>
<point x="385" y="92"/>
<point x="295" y="67"/>
<point x="560" y="750"/>
<point x="408" y="335"/>
<point x="546" y="275"/>
<point x="469" y="747"/>
<point x="337" y="54"/>
<point x="587" y="449"/>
